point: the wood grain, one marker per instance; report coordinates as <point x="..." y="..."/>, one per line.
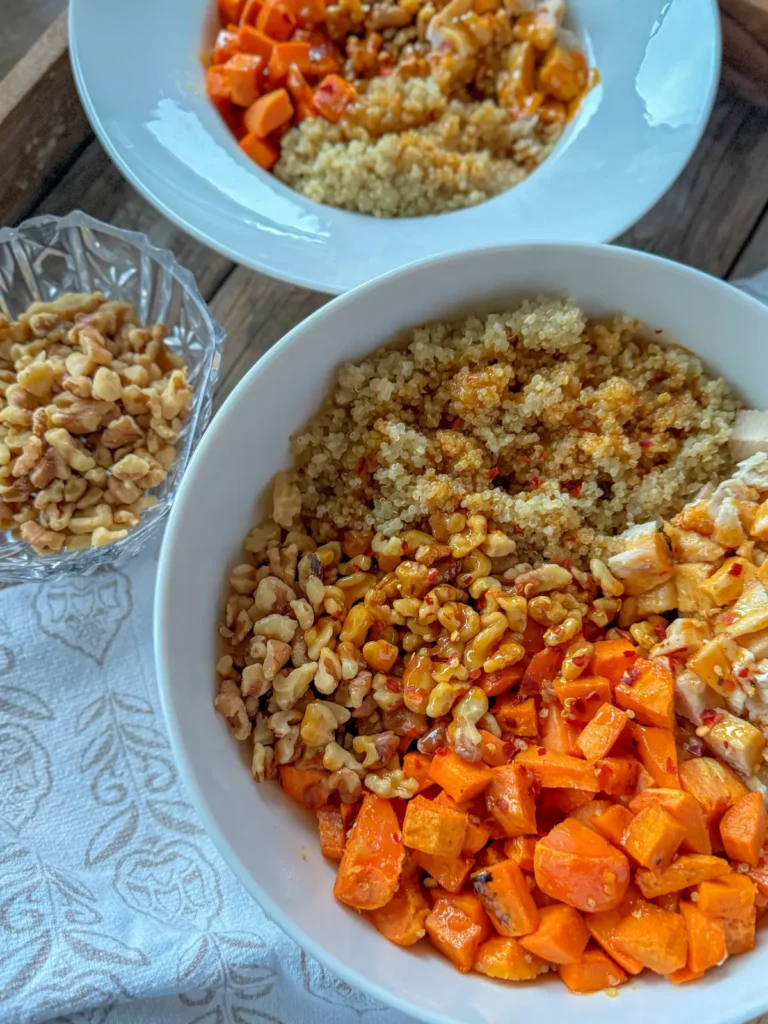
<point x="706" y="217"/>
<point x="42" y="125"/>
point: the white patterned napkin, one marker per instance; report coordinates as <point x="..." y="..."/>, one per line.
<point x="114" y="906"/>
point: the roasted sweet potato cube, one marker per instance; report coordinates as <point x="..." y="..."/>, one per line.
<point x="561" y="936"/>
<point x="333" y="835"/>
<point x="593" y="973"/>
<point x="706" y="938"/>
<point x="450" y="872"/>
<point x="743" y="829"/>
<point x="434" y="828"/>
<point x="613" y="824"/>
<point x="402" y="919"/>
<point x="653" y="836"/>
<point x="612" y="658"/>
<point x="687" y="811"/>
<point x="454" y="933"/>
<point x="730" y="896"/>
<point x="508" y="960"/>
<point x="583" y="697"/>
<point x="599" y="735"/>
<point x="739" y="934"/>
<point x="504" y="893"/>
<point x="459" y="778"/>
<point x="517" y="716"/>
<point x="577" y="866"/>
<point x="655" y="937"/>
<point x="558" y="771"/>
<point x="687" y="871"/>
<point x="713" y="785"/>
<point x="510" y="800"/>
<point x="650" y="693"/>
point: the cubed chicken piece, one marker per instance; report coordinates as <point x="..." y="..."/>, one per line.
<point x="693" y="696"/>
<point x="750" y="613"/>
<point x="737" y="742"/>
<point x="644" y="562"/>
<point x="691" y="599"/>
<point x="684" y="637"/>
<point x="711" y="663"/>
<point x="749" y="435"/>
<point x="728" y="530"/>
<point x="689" y="546"/>
<point x="759" y="527"/>
<point x="753" y="472"/>
<point x="756" y="644"/>
<point x="696" y="516"/>
<point x="725" y="586"/>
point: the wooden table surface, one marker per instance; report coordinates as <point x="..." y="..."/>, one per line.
<point x="715" y="217"/>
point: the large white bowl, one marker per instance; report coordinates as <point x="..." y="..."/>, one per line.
<point x="139" y="71"/>
<point x="269" y="842"/>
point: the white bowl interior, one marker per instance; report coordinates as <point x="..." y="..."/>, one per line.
<point x="269" y="842"/>
<point x="658" y="61"/>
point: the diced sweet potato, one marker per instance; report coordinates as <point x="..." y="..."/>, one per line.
<point x="577" y="866"/>
<point x="459" y="778"/>
<point x="650" y="693"/>
<point x="402" y="919"/>
<point x="542" y="668"/>
<point x="658" y="754"/>
<point x="416" y="766"/>
<point x="521" y="849"/>
<point x="687" y="811"/>
<point x="517" y="717"/>
<point x="510" y="800"/>
<point x="450" y="872"/>
<point x="369" y="873"/>
<point x="653" y="836"/>
<point x="739" y="934"/>
<point x="599" y="735"/>
<point x="503" y="891"/>
<point x="508" y="960"/>
<point x="558" y="771"/>
<point x="305" y="786"/>
<point x="269" y="112"/>
<point x="602" y="927"/>
<point x="713" y="785"/>
<point x="731" y="896"/>
<point x="262" y="151"/>
<point x="655" y="937"/>
<point x="593" y="973"/>
<point x="333" y="835"/>
<point x="590" y="810"/>
<point x="493" y="750"/>
<point x="706" y="938"/>
<point x="562" y="802"/>
<point x="558" y="734"/>
<point x="618" y="776"/>
<point x="561" y="936"/>
<point x="613" y="824"/>
<point x="434" y="828"/>
<point x="612" y="658"/>
<point x="494" y="684"/>
<point x="583" y="697"/>
<point x="688" y="870"/>
<point x="332" y="97"/>
<point x="743" y="829"/>
<point x="454" y="933"/>
<point x="684" y="975"/>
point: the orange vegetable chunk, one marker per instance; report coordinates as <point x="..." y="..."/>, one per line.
<point x="558" y="734"/>
<point x="250" y="12"/>
<point x="459" y="778"/>
<point x="301" y="95"/>
<point x="333" y="96"/>
<point x="416" y="766"/>
<point x="284" y="55"/>
<point x="217" y="83"/>
<point x="739" y="934"/>
<point x="494" y="751"/>
<point x="369" y="873"/>
<point x="504" y="893"/>
<point x="577" y="866"/>
<point x="263" y="151"/>
<point x="593" y="973"/>
<point x="651" y="694"/>
<point x="653" y="836"/>
<point x="402" y="919"/>
<point x="658" y="754"/>
<point x="450" y="872"/>
<point x="655" y="937"/>
<point x="333" y="835"/>
<point x="521" y="850"/>
<point x="510" y="799"/>
<point x="684" y="975"/>
<point x="225" y="46"/>
<point x="517" y="717"/>
<point x="543" y="666"/>
<point x="731" y="896"/>
<point x="243" y="70"/>
<point x="251" y="41"/>
<point x="454" y="933"/>
<point x="706" y="938"/>
<point x="230" y="11"/>
<point x="612" y="658"/>
<point x="494" y="684"/>
<point x="508" y="960"/>
<point x="743" y="829"/>
<point x="582" y="698"/>
<point x="687" y="811"/>
<point x="589" y="811"/>
<point x="602" y="927"/>
<point x="305" y="786"/>
<point x="613" y="824"/>
<point x="269" y="112"/>
<point x="310" y="12"/>
<point x="561" y="936"/>
<point x="599" y="735"/>
<point x="618" y="776"/>
<point x="276" y="20"/>
<point x="713" y="785"/>
<point x="434" y="828"/>
<point x="558" y="771"/>
<point x="688" y="870"/>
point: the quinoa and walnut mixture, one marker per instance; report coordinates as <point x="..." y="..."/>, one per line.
<point x="91" y="405"/>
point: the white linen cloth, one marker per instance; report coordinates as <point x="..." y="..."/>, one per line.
<point x="115" y="908"/>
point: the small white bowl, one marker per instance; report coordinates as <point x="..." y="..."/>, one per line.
<point x="659" y="63"/>
<point x="269" y="842"/>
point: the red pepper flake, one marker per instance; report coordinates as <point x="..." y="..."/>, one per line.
<point x="493" y="473"/>
<point x="361" y="466"/>
<point x="645" y="445"/>
<point x="580" y="659"/>
<point x="604" y="772"/>
<point x="542" y="454"/>
<point x="471" y="379"/>
<point x="541" y="751"/>
<point x="743" y="672"/>
<point x="457" y="424"/>
<point x="728" y="618"/>
<point x="711" y="717"/>
<point x="630" y="654"/>
<point x="578" y="706"/>
<point x="392" y="685"/>
<point x="576" y="490"/>
<point x="694" y="747"/>
<point x="517" y="530"/>
<point x="670" y="766"/>
<point x="726" y="745"/>
<point x="475" y="673"/>
<point x="429" y="600"/>
<point x="404" y="546"/>
<point x="729" y="684"/>
<point x="660" y="631"/>
<point x="736" y="569"/>
<point x="441" y="751"/>
<point x="587" y="430"/>
<point x="536" y="481"/>
<point x="432" y="575"/>
<point x="630" y="676"/>
<point x="525" y="459"/>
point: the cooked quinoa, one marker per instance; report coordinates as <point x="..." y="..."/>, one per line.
<point x="408" y="150"/>
<point x="562" y="430"/>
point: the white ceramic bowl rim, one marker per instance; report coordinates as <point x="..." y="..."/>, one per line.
<point x="659" y="62"/>
<point x="290" y="345"/>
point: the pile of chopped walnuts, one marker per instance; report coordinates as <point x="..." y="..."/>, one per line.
<point x="91" y="405"/>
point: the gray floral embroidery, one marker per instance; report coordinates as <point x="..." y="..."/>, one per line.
<point x="25" y="775"/>
<point x="326" y="986"/>
<point x="223" y="976"/>
<point x="85" y="614"/>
